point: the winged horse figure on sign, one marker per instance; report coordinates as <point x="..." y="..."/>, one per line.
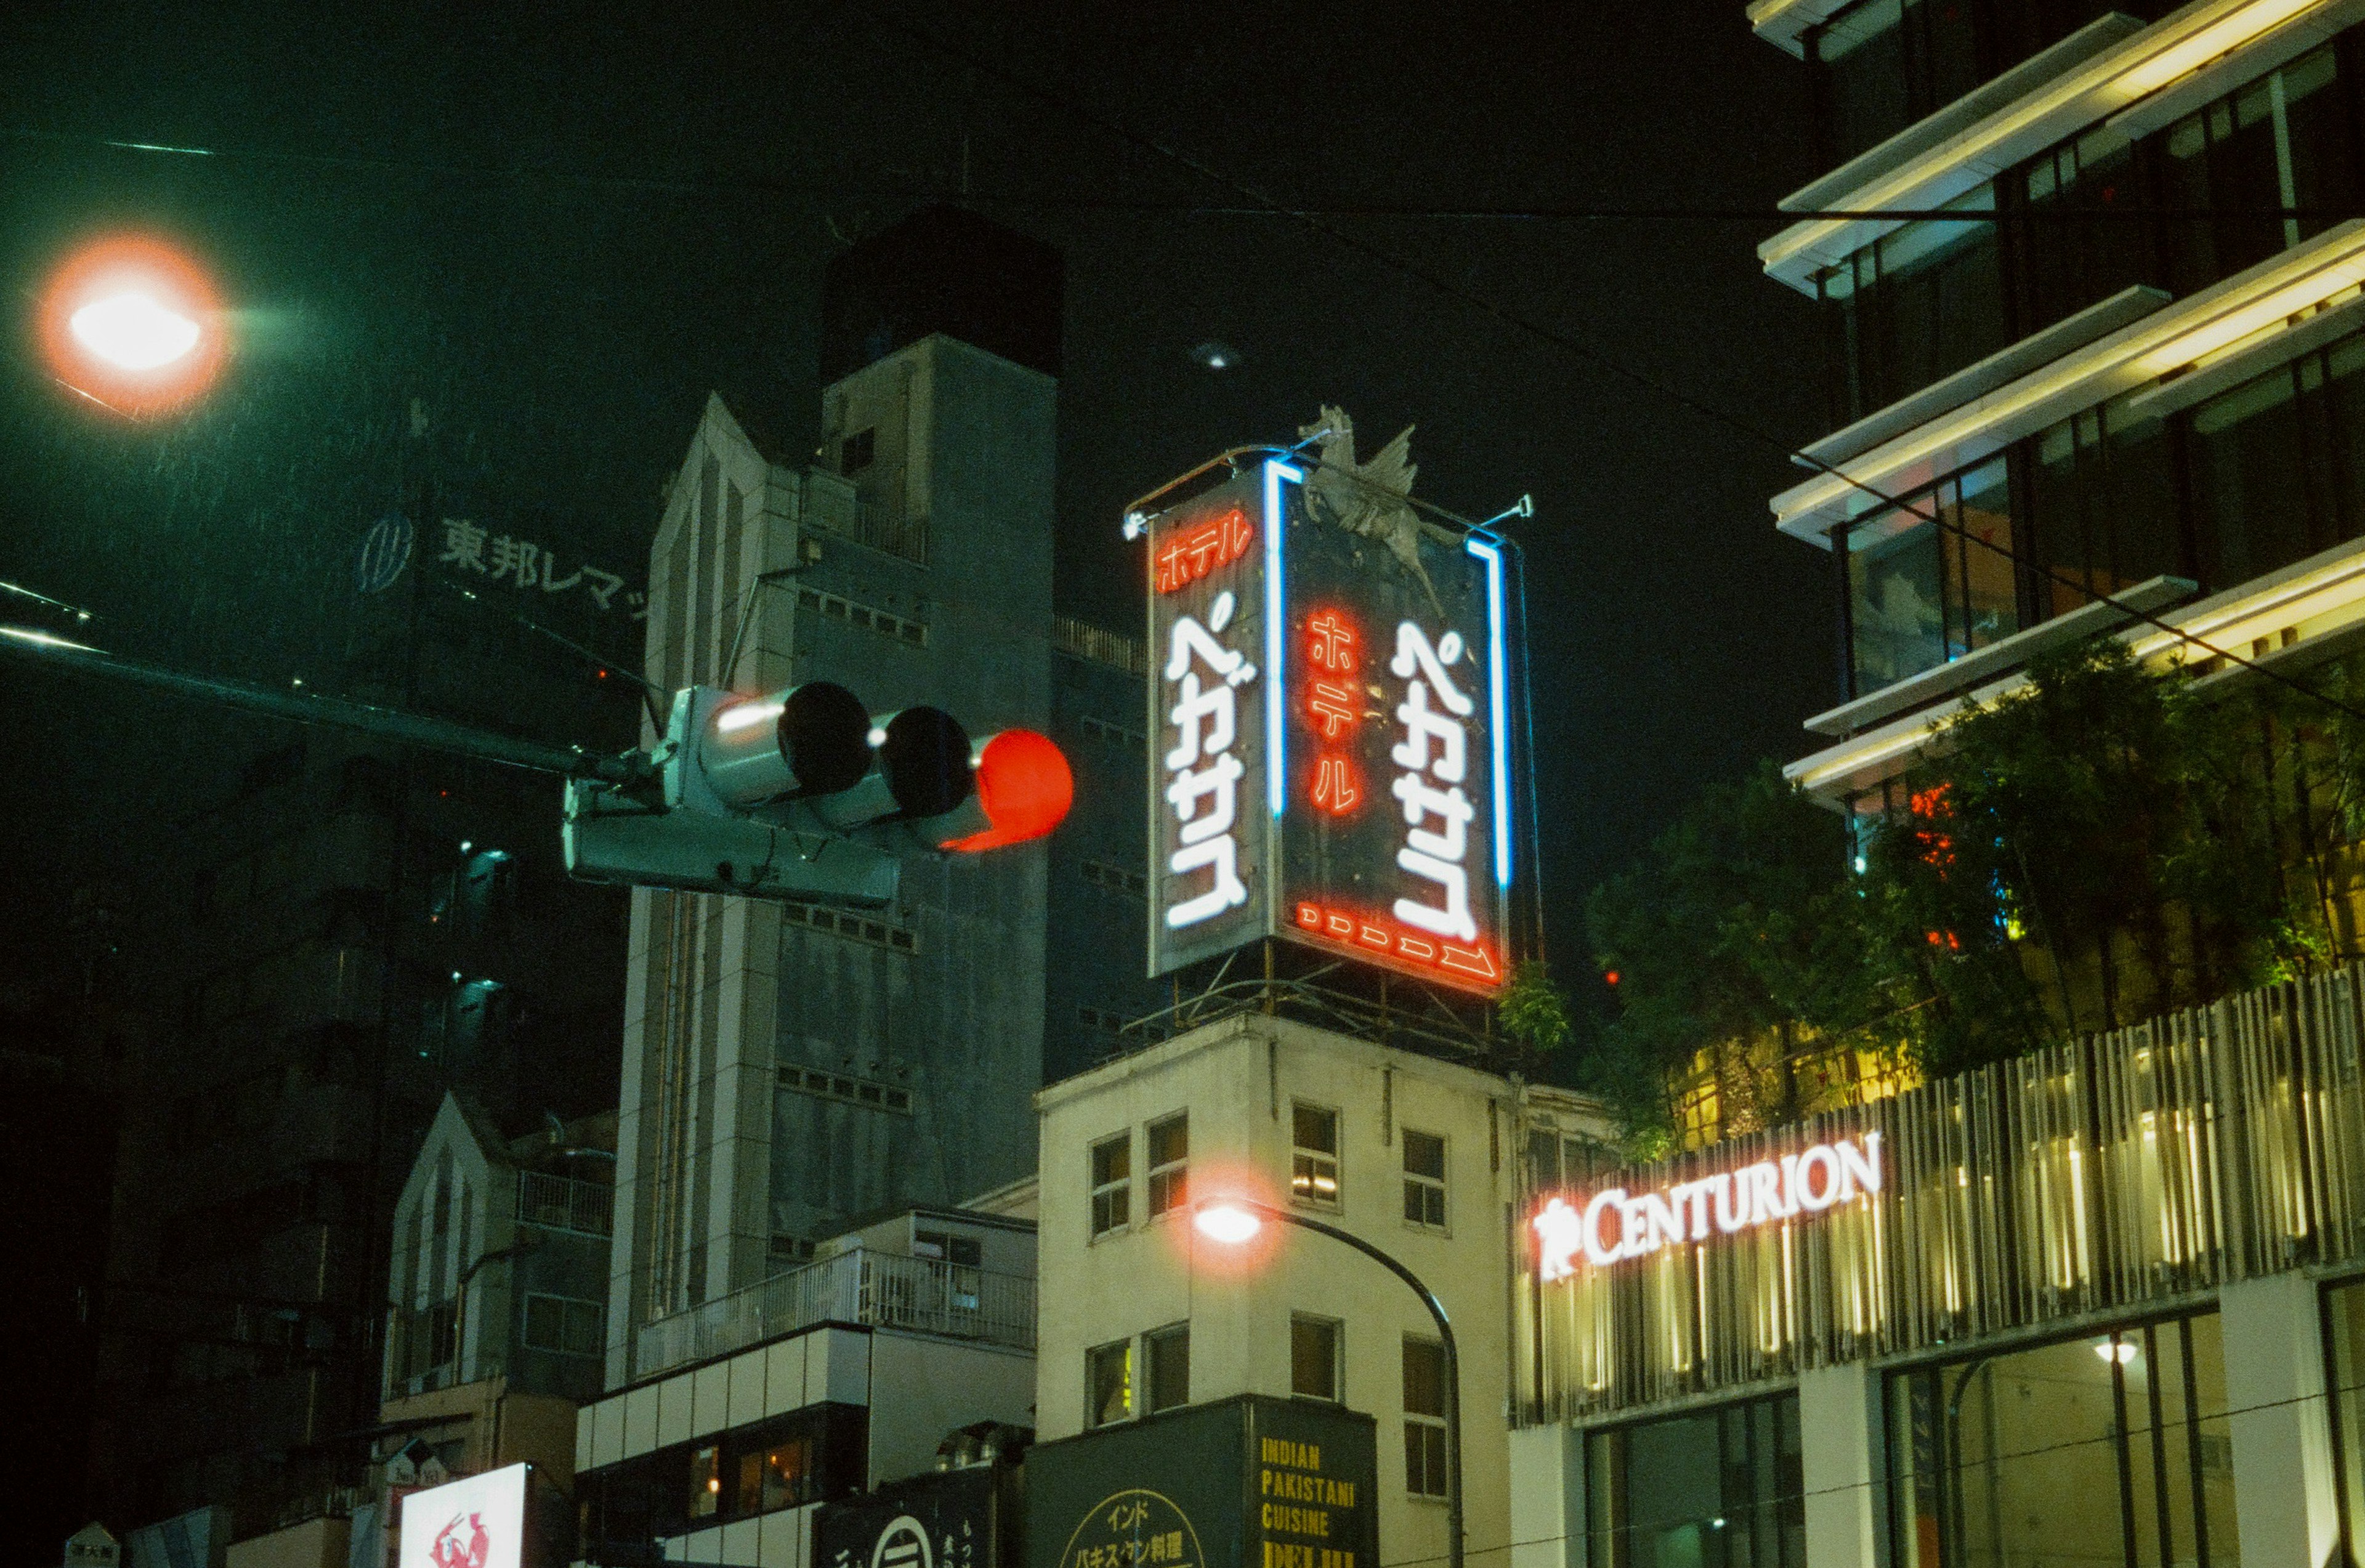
<point x="1373" y="498"/>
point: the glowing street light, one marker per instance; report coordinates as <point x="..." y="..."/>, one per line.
<point x="132" y="324"/>
<point x="132" y="330"/>
<point x="1231" y="1221"/>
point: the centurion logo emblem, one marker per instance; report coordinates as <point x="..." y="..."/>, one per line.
<point x="1614" y="1226"/>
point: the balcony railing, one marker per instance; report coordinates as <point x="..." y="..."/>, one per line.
<point x="561" y="1202"/>
<point x="1099" y="644"/>
<point x="882" y="1290"/>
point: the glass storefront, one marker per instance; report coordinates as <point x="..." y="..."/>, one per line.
<point x="2111" y="1448"/>
<point x="1720" y="1488"/>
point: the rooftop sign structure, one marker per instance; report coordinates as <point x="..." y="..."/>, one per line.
<point x="1330" y="733"/>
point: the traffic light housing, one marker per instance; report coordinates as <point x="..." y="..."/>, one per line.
<point x="804" y="794"/>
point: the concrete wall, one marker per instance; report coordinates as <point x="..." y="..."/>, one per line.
<point x="1238" y="1080"/>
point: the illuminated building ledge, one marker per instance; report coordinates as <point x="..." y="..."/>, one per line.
<point x="2295" y="613"/>
<point x="2195" y="53"/>
<point x="2235" y="317"/>
<point x="1784" y="23"/>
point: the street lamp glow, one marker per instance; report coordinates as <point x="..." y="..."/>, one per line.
<point x="133" y="324"/>
<point x="1227" y="1223"/>
<point x="132" y="330"/>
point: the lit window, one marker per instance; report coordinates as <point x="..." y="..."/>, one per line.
<point x="1108" y="1383"/>
<point x="1170" y="1154"/>
<point x="781" y="1476"/>
<point x="1424" y="1421"/>
<point x="1314" y="1161"/>
<point x="1313" y="1357"/>
<point x="705" y="1481"/>
<point x="1424" y="1180"/>
<point x="1111" y="1184"/>
<point x="1169" y="1353"/>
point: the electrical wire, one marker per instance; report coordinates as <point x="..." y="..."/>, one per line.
<point x="1586" y="350"/>
<point x="1072" y="202"/>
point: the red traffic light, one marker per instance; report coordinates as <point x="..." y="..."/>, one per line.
<point x="1025" y="789"/>
<point x="132" y="324"/>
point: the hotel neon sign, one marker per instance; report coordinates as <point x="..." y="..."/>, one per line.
<point x="1614" y="1226"/>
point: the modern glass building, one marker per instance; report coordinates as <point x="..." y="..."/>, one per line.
<point x="2101" y="1304"/>
<point x="2089" y="278"/>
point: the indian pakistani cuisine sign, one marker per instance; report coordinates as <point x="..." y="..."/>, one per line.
<point x="1330" y="761"/>
<point x="1250" y="1482"/>
<point x="1615" y="1226"/>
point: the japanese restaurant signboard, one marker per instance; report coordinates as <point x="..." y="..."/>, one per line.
<point x="1330" y="761"/>
<point x="1250" y="1482"/>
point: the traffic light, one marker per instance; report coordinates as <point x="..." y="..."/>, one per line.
<point x="807" y="795"/>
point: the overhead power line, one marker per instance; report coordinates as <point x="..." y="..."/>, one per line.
<point x="1587" y="351"/>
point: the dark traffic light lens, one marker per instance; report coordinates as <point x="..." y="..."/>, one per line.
<point x="825" y="737"/>
<point x="925" y="759"/>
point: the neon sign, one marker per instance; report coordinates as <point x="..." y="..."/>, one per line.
<point x="1205" y="791"/>
<point x="1614" y="1226"/>
<point x="1186" y="557"/>
<point x="1384" y="758"/>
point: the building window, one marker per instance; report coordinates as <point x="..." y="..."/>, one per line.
<point x="562" y="1324"/>
<point x="779" y="1476"/>
<point x="1108" y="1383"/>
<point x="858" y="451"/>
<point x="1314" y="1159"/>
<point x="1111" y="1184"/>
<point x="1424" y="1180"/>
<point x="1721" y="1485"/>
<point x="1314" y="1356"/>
<point x="1168" y="1352"/>
<point x="1170" y="1155"/>
<point x="1424" y="1417"/>
<point x="705" y="1481"/>
<point x="1924" y="593"/>
<point x="2132" y="1422"/>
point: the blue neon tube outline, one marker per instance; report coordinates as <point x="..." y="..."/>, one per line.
<point x="1276" y="758"/>
<point x="1497" y="705"/>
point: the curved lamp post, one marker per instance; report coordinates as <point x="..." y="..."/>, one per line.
<point x="1231" y="1221"/>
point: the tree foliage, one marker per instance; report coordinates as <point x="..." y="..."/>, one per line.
<point x="2102" y="843"/>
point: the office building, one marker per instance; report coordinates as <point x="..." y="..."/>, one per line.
<point x="1143" y="1316"/>
<point x="792" y="1071"/>
<point x="2097" y="1304"/>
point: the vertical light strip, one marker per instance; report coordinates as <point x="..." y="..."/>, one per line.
<point x="1498" y="703"/>
<point x="1276" y="758"/>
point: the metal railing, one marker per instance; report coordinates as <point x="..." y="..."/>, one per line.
<point x="882" y="1290"/>
<point x="881" y="525"/>
<point x="562" y="1202"/>
<point x="1098" y="643"/>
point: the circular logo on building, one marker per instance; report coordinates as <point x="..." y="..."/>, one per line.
<point x="902" y="1544"/>
<point x="386" y="550"/>
<point x="1134" y="1529"/>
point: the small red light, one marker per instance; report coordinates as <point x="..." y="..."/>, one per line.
<point x="1611" y="975"/>
<point x="1024" y="787"/>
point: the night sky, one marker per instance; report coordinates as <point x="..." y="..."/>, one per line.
<point x="559" y="233"/>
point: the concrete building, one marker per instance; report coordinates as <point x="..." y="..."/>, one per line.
<point x="1420" y="1157"/>
<point x="833" y="1377"/>
<point x="791" y="1070"/>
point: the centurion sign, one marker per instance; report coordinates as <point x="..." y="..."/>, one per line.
<point x="1330" y="713"/>
<point x="1615" y="1226"/>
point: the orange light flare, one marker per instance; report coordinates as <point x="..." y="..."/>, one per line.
<point x="1212" y="1182"/>
<point x="132" y="324"/>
